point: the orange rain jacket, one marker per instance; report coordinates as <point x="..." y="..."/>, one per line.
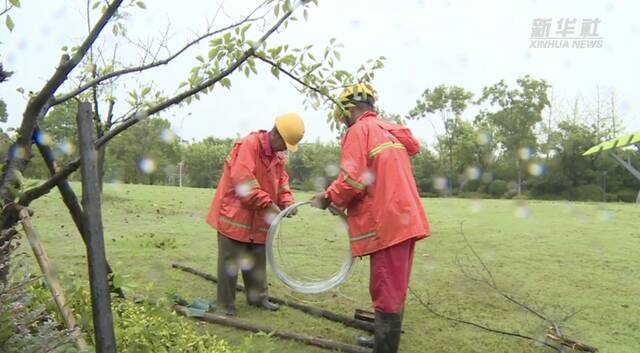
<point x="253" y="178"/>
<point x="377" y="186"/>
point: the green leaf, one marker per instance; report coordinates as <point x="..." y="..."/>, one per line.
<point x="275" y="51"/>
<point x="200" y="58"/>
<point x="216" y="41"/>
<point x="275" y="71"/>
<point x="336" y="54"/>
<point x="225" y="82"/>
<point x="141" y="5"/>
<point x="305" y="14"/>
<point x="145" y="91"/>
<point x="246" y="71"/>
<point x="227" y="37"/>
<point x="20" y="90"/>
<point x="212" y="53"/>
<point x="252" y="65"/>
<point x="276" y="9"/>
<point x="95" y="5"/>
<point x="15" y="3"/>
<point x="332" y="41"/>
<point x="9" y="23"/>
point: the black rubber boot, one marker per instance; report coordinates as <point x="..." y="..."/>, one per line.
<point x="266" y="304"/>
<point x="365" y="341"/>
<point x="388" y="327"/>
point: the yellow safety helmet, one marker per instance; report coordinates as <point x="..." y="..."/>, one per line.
<point x="291" y="128"/>
<point x="351" y="95"/>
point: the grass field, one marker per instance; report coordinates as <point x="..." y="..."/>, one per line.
<point x="558" y="257"/>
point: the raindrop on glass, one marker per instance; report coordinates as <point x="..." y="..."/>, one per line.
<point x="525" y="153"/>
<point x="536" y="169"/>
<point x="368" y="177"/>
<point x="332" y="170"/>
<point x="168" y="136"/>
<point x="67" y="147"/>
<point x="473" y="173"/>
<point x="147" y="165"/>
<point x="440" y="183"/>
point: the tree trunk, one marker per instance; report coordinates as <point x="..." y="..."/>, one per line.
<point x="102" y="151"/>
<point x="519" y="186"/>
<point x="92" y="223"/>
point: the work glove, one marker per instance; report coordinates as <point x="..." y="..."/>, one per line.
<point x="319" y="200"/>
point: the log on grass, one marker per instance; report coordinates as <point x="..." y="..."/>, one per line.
<point x="248" y="326"/>
<point x="311" y="310"/>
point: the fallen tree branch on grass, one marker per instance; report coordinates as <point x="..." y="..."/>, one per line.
<point x="348" y="321"/>
<point x="248" y="326"/>
<point x="488" y="279"/>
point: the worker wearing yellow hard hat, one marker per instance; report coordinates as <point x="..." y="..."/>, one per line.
<point x="254" y="187"/>
<point x="384" y="211"/>
<point x="291" y="129"/>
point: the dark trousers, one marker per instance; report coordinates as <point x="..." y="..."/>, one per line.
<point x="248" y="258"/>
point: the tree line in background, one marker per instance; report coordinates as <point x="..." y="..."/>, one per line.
<point x="520" y="143"/>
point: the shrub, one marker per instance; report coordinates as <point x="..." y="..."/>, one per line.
<point x="497" y="188"/>
<point x="141" y="328"/>
<point x="589" y="192"/>
<point x="627" y="195"/>
<point x="25" y="324"/>
<point x="473" y="195"/>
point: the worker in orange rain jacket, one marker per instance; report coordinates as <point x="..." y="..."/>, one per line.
<point x="253" y="188"/>
<point x="384" y="214"/>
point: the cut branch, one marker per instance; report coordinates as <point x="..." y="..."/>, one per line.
<point x="492" y="282"/>
<point x="480" y="326"/>
<point x="243" y="325"/>
<point x="307" y="309"/>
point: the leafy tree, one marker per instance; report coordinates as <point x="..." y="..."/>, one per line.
<point x="147" y="153"/>
<point x="449" y="102"/>
<point x="519" y="110"/>
<point x="204" y="161"/>
<point x="314" y="166"/>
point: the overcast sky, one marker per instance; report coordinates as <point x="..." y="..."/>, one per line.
<point x="426" y="43"/>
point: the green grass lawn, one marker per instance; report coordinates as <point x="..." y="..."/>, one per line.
<point x="558" y="257"/>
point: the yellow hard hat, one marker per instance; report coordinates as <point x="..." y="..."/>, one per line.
<point x="358" y="92"/>
<point x="291" y="128"/>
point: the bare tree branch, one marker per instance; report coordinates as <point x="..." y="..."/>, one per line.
<point x="492" y="282"/>
<point x="295" y="78"/>
<point x="45" y="187"/>
<point x="7" y="9"/>
<point x="63" y="98"/>
<point x="486" y="328"/>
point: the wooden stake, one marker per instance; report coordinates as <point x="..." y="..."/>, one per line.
<point x="52" y="280"/>
<point x="311" y="310"/>
<point x="248" y="326"/>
